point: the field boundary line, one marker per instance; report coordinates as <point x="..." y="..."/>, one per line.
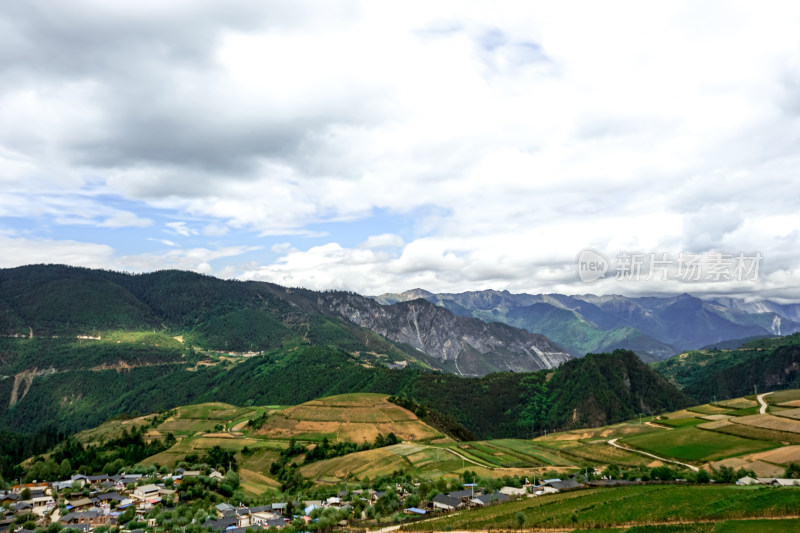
<point x="613" y="442"/>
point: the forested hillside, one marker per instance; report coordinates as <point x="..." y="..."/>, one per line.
<point x="81" y="346"/>
<point x="497" y="405"/>
<point x="765" y="364"/>
<point x="213" y="314"/>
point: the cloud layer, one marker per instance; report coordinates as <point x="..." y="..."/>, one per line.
<point x="376" y="147"/>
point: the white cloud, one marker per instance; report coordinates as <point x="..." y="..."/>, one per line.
<point x="24" y="251"/>
<point x="165" y="242"/>
<point x="382" y="241"/>
<point x="18" y="251"/>
<point x="180" y="228"/>
<point x="215" y="230"/>
<point x="125" y="219"/>
<point x="523" y="131"/>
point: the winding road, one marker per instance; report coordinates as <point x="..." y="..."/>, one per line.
<point x="763" y="403"/>
<point x="613" y="442"/>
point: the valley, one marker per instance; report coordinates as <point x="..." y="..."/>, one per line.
<point x="281" y="394"/>
<point x="349" y="443"/>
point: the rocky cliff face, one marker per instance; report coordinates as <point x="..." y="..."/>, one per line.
<point x="466" y="346"/>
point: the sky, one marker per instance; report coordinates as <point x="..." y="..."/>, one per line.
<point x="383" y="146"/>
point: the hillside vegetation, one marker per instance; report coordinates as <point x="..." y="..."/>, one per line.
<point x="619" y="507"/>
<point x="766" y="363"/>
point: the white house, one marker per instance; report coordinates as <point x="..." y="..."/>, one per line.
<point x="146" y="491"/>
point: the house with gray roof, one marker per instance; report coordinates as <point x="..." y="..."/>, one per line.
<point x="446" y="503"/>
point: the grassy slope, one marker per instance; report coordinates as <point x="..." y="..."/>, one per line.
<point x="595" y="508"/>
<point x="692" y="444"/>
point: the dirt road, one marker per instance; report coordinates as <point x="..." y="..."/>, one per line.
<point x="613" y="442"/>
<point x="763" y="403"/>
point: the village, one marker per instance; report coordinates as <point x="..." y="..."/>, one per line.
<point x="132" y="502"/>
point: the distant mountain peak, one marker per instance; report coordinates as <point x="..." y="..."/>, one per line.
<point x="655" y="327"/>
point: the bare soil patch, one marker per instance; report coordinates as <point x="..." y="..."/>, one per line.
<point x="782" y="456"/>
<point x="779" y="423"/>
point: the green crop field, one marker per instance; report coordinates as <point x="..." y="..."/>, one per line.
<point x="783" y="396"/>
<point x="681" y="422"/>
<point x="729" y="526"/>
<point x="622" y="506"/>
<point x="748" y="526"/>
<point x="745" y="412"/>
<point x="693" y="444"/>
<point x="524" y="453"/>
<point x="602" y="453"/>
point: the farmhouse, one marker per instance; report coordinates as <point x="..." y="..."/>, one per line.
<point x="489" y="499"/>
<point x="79" y="504"/>
<point x="514" y="491"/>
<point x="9" y="498"/>
<point x="446" y="503"/>
<point x="465" y="495"/>
<point x="42" y="505"/>
<point x="558" y="485"/>
<point x="778" y="482"/>
<point x="786" y="482"/>
<point x="146" y="491"/>
<point x="93" y="518"/>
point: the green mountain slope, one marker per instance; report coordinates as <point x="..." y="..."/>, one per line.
<point x="768" y="363"/>
<point x="226" y="315"/>
<point x="579" y="336"/>
<point x="76" y="396"/>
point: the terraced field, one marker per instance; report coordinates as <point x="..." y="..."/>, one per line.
<point x="428" y="461"/>
<point x="349" y="417"/>
<point x="206" y="418"/>
<point x="715" y="435"/>
<point x="113" y="429"/>
<point x="777" y="423"/>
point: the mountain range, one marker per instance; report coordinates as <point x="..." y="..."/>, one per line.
<point x="80" y="345"/>
<point x="46" y="300"/>
<point x="653" y="327"/>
